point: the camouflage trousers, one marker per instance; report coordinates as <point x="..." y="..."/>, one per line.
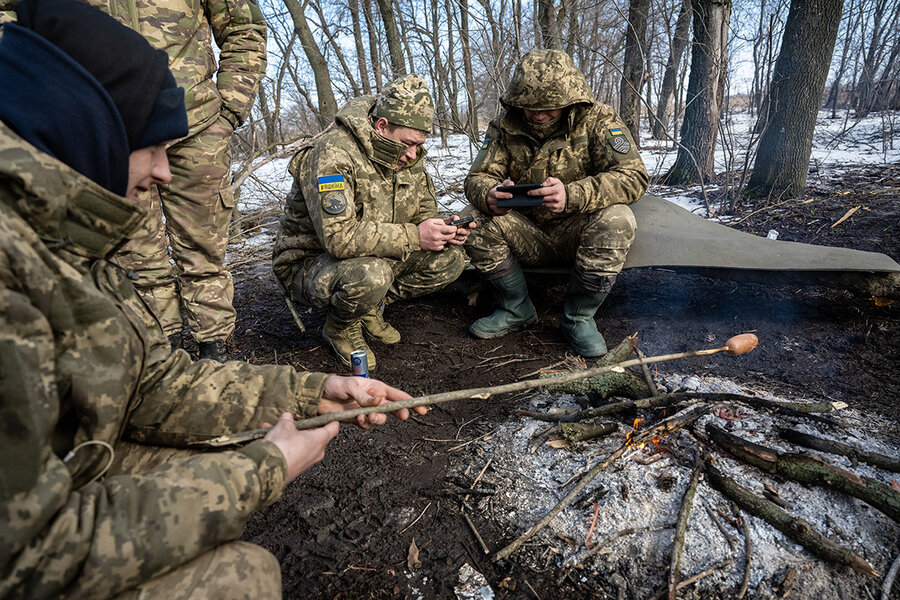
<point x="596" y="243"/>
<point x="352" y="287"/>
<point x="196" y="207"/>
<point x="234" y="571"/>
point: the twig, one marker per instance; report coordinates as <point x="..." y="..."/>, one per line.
<point x="421" y="514"/>
<point x="748" y="547"/>
<point x="598" y="547"/>
<point x="681" y="527"/>
<point x="590" y="532"/>
<point x="718" y="523"/>
<point x="473" y="393"/>
<point x="889" y="579"/>
<point x="475" y="531"/>
<point x="646" y="370"/>
<point x="697" y="577"/>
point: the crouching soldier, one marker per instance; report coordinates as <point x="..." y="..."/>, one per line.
<point x="361" y="227"/>
<point x="555" y="134"/>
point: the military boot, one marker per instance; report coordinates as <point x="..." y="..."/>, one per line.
<point x="577" y="323"/>
<point x="344" y="339"/>
<point x="214" y="349"/>
<point x="377" y="328"/>
<point x="515" y="311"/>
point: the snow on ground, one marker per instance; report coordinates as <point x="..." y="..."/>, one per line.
<point x="839" y="144"/>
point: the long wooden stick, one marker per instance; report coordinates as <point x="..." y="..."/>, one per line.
<point x="482" y="393"/>
<point x="681" y="527"/>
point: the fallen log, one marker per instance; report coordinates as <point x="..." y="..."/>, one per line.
<point x="795" y="528"/>
<point x="579" y="432"/>
<point x="604" y="385"/>
<point x="881" y="461"/>
<point x="809" y="469"/>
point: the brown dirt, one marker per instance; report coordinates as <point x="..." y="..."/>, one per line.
<point x="337" y="531"/>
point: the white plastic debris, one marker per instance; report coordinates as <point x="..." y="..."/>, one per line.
<point x="772" y="235"/>
<point x="472" y="585"/>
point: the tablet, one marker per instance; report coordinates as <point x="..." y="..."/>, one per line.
<point x="520" y="197"/>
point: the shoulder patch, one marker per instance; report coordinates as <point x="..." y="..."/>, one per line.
<point x="618" y="140"/>
<point x="334" y="203"/>
<point x="485" y="144"/>
<point x="330" y="183"/>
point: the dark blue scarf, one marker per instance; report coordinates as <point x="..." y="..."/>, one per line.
<point x="54" y="104"/>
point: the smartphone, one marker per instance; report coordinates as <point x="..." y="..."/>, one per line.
<point x="520" y="197"/>
<point x="461" y="222"/>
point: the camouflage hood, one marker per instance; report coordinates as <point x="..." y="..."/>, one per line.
<point x="546" y="80"/>
<point x="60" y="204"/>
<point x="356" y="117"/>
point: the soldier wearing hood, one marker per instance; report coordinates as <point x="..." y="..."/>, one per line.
<point x="552" y="132"/>
<point x="361" y="227"/>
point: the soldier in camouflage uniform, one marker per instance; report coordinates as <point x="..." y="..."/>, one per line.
<point x="361" y="226"/>
<point x="84" y="363"/>
<point x="198" y="203"/>
<point x="552" y="132"/>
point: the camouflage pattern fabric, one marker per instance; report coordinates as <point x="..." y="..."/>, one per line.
<point x="596" y="243"/>
<point x="349" y="201"/>
<point x="197" y="206"/>
<point x="235" y="571"/>
<point x="589" y="149"/>
<point x="85" y="360"/>
<point x="352" y="287"/>
<point x="406" y="102"/>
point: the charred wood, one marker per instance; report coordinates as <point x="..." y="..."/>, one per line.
<point x="579" y="432"/>
<point x="681" y="527"/>
<point x="822" y="445"/>
<point x="795" y="528"/>
<point x="810" y="469"/>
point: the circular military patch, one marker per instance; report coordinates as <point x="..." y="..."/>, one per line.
<point x="620" y="144"/>
<point x="334" y="203"/>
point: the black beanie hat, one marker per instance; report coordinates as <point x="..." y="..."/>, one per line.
<point x="135" y="75"/>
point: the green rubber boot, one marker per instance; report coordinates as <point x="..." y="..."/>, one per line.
<point x="577" y="323"/>
<point x="515" y="311"/>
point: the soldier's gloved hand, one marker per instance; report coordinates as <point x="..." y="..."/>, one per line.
<point x="301" y="449"/>
<point x="347" y="393"/>
<point x="434" y="234"/>
<point x="494" y="195"/>
<point x="554" y="193"/>
<point x="462" y="232"/>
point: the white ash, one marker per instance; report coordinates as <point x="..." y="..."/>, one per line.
<point x="527" y="475"/>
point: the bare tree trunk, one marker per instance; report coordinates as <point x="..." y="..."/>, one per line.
<point x="404" y="36"/>
<point x="472" y="112"/>
<point x="395" y="48"/>
<point x="870" y="63"/>
<point x="373" y="44"/>
<point x="667" y="90"/>
<point x="756" y="87"/>
<point x="323" y="25"/>
<point x="517" y="29"/>
<point x="452" y="85"/>
<point x="782" y="161"/>
<point x="268" y="119"/>
<point x="327" y="103"/>
<point x="695" y="160"/>
<point x="633" y="69"/>
<point x="360" y="51"/>
<point x="546" y="20"/>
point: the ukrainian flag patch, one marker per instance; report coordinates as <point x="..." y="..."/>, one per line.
<point x="616" y="131"/>
<point x="485" y="144"/>
<point x="331" y="183"/>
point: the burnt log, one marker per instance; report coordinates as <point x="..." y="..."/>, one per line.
<point x="579" y="432"/>
<point x="797" y="529"/>
<point x="832" y="447"/>
<point x="811" y="470"/>
<point x="604" y="385"/>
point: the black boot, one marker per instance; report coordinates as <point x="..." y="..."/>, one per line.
<point x="214" y="349"/>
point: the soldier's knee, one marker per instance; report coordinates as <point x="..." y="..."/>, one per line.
<point x="614" y="228"/>
<point x="456" y="261"/>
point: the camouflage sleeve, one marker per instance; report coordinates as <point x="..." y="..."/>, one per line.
<point x="337" y="208"/>
<point x="491" y="168"/>
<point x="620" y="176"/>
<point x="240" y="32"/>
<point x="182" y="401"/>
<point x="427" y="208"/>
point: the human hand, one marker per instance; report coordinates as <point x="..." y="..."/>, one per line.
<point x="301" y="449"/>
<point x="554" y="194"/>
<point x="462" y="231"/>
<point x="434" y="234"/>
<point x="347" y="393"/>
<point x="494" y="195"/>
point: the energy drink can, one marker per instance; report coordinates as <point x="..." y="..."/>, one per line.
<point x="359" y="363"/>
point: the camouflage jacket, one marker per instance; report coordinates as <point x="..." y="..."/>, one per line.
<point x="349" y="199"/>
<point x="82" y="358"/>
<point x="182" y="28"/>
<point x="582" y="152"/>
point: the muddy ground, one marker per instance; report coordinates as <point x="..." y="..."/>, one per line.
<point x="343" y="529"/>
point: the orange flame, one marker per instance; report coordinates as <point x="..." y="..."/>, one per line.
<point x="634" y="427"/>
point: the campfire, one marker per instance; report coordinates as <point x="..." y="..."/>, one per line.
<point x="667" y="484"/>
